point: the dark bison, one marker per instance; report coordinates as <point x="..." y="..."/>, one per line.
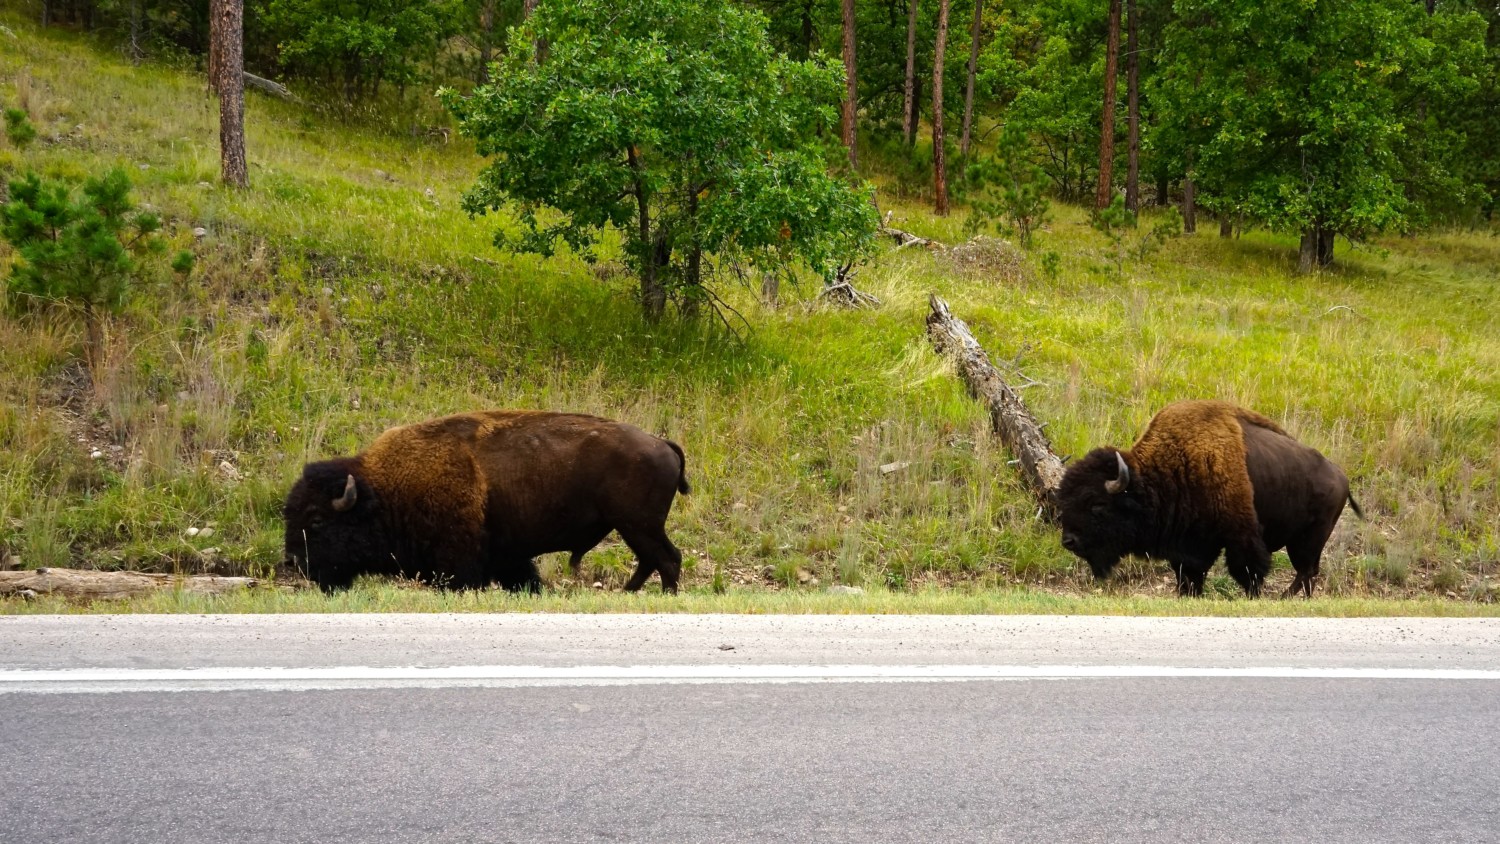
<point x="1206" y="476"/>
<point x="467" y="500"/>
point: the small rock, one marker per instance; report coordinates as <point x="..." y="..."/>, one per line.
<point x="598" y="585"/>
<point x="206" y="185"/>
<point x="209" y="552"/>
<point x="227" y="470"/>
<point x="354" y="403"/>
<point x="191" y="532"/>
<point x="726" y="647"/>
<point x="206" y="533"/>
<point x="96" y="454"/>
<point x="143" y="166"/>
<point x="200" y="232"/>
<point x="428" y="193"/>
<point x="890" y="468"/>
<point x="183" y="395"/>
<point x="840" y="589"/>
<point x="328" y="291"/>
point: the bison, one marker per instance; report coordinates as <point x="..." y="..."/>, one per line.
<point x="467" y="500"/>
<point x="1206" y="476"/>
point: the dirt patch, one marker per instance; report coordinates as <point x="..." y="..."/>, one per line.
<point x="989" y="259"/>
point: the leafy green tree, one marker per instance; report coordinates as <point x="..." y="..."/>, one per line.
<point x="360" y="43"/>
<point x="676" y="125"/>
<point x="1312" y="116"/>
<point x="83" y="251"/>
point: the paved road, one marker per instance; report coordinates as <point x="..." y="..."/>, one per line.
<point x="815" y="729"/>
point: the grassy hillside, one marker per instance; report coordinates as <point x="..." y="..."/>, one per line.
<point x="346" y="292"/>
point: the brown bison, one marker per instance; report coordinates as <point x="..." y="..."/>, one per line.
<point x="467" y="500"/>
<point x="1206" y="476"/>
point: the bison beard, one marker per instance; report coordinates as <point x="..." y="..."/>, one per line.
<point x="1205" y="477"/>
<point x="468" y="500"/>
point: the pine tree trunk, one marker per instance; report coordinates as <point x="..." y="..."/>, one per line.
<point x="1163" y="189"/>
<point x="939" y="155"/>
<point x="486" y="39"/>
<point x="46" y="13"/>
<point x="1189" y="200"/>
<point x="914" y="116"/>
<point x="807" y="30"/>
<point x="963" y="143"/>
<point x="851" y="97"/>
<point x="1105" y="192"/>
<point x="231" y="87"/>
<point x="908" y="105"/>
<point x="213" y="53"/>
<point x="1133" y="114"/>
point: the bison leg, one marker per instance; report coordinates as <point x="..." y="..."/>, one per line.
<point x="520" y="575"/>
<point x="1248" y="564"/>
<point x="1306" y="556"/>
<point x="654" y="552"/>
<point x="1190" y="577"/>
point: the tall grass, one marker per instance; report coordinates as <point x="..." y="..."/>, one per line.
<point x="346" y="292"/>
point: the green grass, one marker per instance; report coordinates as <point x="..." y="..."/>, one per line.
<point x="338" y="297"/>
<point x="370" y="596"/>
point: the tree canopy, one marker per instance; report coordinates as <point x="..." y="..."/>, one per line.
<point x="676" y="124"/>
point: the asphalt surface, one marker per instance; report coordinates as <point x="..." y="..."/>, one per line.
<point x="641" y="728"/>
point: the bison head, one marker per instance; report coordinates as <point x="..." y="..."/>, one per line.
<point x="1103" y="514"/>
<point x="333" y="532"/>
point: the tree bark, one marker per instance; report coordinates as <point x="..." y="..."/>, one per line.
<point x="963" y="143"/>
<point x="1163" y="189"/>
<point x="807" y="30"/>
<point x="231" y="87"/>
<point x="1226" y="225"/>
<point x="851" y="94"/>
<point x="1133" y="114"/>
<point x="908" y="104"/>
<point x="1009" y="417"/>
<point x="939" y="154"/>
<point x="1307" y="254"/>
<point x="109" y="585"/>
<point x="653" y="294"/>
<point x="1105" y="193"/>
<point x="1189" y="200"/>
<point x="527" y="8"/>
<point x="914" y="116"/>
<point x="1325" y="247"/>
<point x="486" y="39"/>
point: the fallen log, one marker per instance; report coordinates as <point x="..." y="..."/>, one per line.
<point x="275" y="89"/>
<point x="905" y="238"/>
<point x="1011" y="420"/>
<point x="107" y="585"/>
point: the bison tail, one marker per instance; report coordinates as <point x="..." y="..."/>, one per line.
<point x="682" y="482"/>
<point x="1354" y="505"/>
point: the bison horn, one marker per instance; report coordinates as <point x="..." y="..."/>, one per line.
<point x="1122" y="478"/>
<point x="345" y="501"/>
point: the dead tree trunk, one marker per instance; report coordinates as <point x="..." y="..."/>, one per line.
<point x="230" y="83"/>
<point x="851" y="93"/>
<point x="106" y="585"/>
<point x="939" y="156"/>
<point x="908" y="107"/>
<point x="963" y="143"/>
<point x="1011" y="420"/>
<point x="1105" y="193"/>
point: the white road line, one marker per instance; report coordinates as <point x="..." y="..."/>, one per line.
<point x="92" y="681"/>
